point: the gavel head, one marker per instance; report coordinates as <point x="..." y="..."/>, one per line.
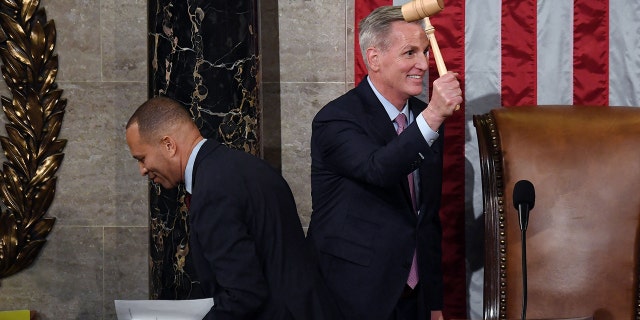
<point x="420" y="9"/>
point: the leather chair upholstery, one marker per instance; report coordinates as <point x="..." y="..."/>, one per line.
<point x="582" y="237"/>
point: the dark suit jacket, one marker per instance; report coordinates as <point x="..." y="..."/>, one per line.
<point x="247" y="242"/>
<point x="363" y="226"/>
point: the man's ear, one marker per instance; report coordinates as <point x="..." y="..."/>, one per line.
<point x="168" y="144"/>
<point x="373" y="58"/>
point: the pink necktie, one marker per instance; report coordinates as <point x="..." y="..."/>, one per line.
<point x="412" y="280"/>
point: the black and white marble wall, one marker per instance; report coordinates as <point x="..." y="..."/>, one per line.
<point x="205" y="54"/>
<point x="98" y="250"/>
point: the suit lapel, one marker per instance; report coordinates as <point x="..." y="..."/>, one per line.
<point x="382" y="126"/>
<point x="377" y="118"/>
<point x="417" y="107"/>
<point x="207" y="147"/>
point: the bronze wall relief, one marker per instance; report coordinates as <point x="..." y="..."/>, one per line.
<point x="32" y="148"/>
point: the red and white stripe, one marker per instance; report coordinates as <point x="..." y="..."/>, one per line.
<point x="514" y="53"/>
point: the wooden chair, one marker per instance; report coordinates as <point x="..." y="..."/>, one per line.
<point x="582" y="237"/>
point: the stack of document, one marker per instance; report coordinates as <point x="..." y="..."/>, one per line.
<point x="163" y="309"/>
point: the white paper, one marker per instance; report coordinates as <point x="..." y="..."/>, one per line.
<point x="163" y="309"/>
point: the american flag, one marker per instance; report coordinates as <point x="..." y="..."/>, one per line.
<point x="515" y="53"/>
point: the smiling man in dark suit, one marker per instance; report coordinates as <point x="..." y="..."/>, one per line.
<point x="246" y="239"/>
<point x="376" y="181"/>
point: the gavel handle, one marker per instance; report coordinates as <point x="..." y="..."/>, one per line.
<point x="430" y="31"/>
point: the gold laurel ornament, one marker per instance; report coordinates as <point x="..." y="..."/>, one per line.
<point x="32" y="148"/>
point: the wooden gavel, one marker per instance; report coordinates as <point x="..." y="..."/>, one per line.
<point x="423" y="9"/>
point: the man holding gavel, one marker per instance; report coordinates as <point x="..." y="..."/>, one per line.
<point x="376" y="178"/>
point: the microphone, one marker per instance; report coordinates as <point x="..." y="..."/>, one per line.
<point x="524" y="198"/>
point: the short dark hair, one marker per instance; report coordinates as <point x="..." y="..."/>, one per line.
<point x="157" y="115"/>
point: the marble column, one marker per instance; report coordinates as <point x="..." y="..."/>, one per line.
<point x="205" y="54"/>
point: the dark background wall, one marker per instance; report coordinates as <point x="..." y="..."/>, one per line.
<point x="204" y="54"/>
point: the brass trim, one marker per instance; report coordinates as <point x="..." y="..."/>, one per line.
<point x="495" y="241"/>
<point x="495" y="279"/>
<point x="32" y="148"/>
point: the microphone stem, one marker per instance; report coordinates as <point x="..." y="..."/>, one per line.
<point x="524" y="274"/>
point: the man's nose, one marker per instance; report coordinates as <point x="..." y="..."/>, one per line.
<point x="143" y="170"/>
<point x="423" y="62"/>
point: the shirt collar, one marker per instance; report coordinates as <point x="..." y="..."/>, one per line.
<point x="391" y="110"/>
<point x="188" y="172"/>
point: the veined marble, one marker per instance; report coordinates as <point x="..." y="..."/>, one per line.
<point x="203" y="53"/>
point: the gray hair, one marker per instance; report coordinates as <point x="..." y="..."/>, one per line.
<point x="375" y="28"/>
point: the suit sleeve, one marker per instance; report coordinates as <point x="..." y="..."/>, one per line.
<point x="349" y="148"/>
<point x="229" y="249"/>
